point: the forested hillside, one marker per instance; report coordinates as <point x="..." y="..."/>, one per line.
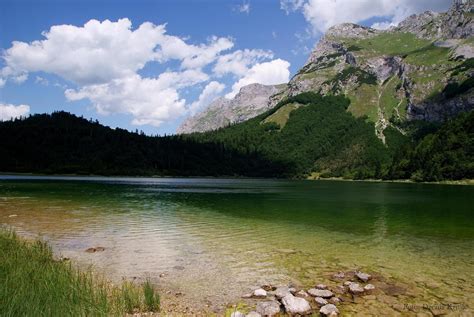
<point x="63" y="143"/>
<point x="306" y="135"/>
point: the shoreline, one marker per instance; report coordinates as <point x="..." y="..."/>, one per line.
<point x="462" y="182"/>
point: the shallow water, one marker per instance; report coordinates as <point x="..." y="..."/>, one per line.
<point x="215" y="239"/>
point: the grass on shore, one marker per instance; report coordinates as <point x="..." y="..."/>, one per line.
<point x="33" y="283"/>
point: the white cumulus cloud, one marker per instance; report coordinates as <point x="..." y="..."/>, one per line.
<point x="150" y="101"/>
<point x="103" y="63"/>
<point x="268" y="73"/>
<point x="238" y="62"/>
<point x="322" y="14"/>
<point x="208" y="95"/>
<point x="9" y="111"/>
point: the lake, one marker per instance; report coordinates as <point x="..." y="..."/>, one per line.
<point x="206" y="242"/>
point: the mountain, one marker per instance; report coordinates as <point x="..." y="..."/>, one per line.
<point x="420" y="70"/>
<point x="251" y="101"/>
<point x="393" y="104"/>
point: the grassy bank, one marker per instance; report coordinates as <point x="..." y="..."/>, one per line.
<point x="33" y="283"/>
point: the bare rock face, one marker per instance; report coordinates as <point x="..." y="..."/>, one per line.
<point x="457" y="23"/>
<point x="251" y="101"/>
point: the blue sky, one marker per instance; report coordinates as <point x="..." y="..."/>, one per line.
<point x="153" y="63"/>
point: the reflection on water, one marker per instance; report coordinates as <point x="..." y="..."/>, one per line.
<point x="215" y="239"/>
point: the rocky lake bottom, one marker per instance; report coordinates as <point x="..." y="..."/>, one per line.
<point x="209" y="244"/>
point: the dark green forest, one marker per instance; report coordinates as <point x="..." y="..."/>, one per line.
<point x="320" y="137"/>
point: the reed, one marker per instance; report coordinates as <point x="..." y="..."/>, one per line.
<point x="33" y="283"/>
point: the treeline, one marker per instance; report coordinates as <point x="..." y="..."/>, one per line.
<point x="61" y="143"/>
<point x="320" y="137"/>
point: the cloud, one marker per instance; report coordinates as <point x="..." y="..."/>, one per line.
<point x="95" y="53"/>
<point x="208" y="95"/>
<point x="150" y="101"/>
<point x="243" y="8"/>
<point x="291" y="5"/>
<point x="322" y="14"/>
<point x="268" y="73"/>
<point x="102" y="62"/>
<point x="42" y="81"/>
<point x="238" y="62"/>
<point x="9" y="111"/>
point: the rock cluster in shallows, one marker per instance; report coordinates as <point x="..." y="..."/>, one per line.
<point x="273" y="301"/>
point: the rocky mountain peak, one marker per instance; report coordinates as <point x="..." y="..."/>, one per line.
<point x="251" y="101"/>
<point x="457" y="23"/>
<point x="350" y="30"/>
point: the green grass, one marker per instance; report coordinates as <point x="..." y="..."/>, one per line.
<point x="282" y="115"/>
<point x="395" y="43"/>
<point x="33" y="283"/>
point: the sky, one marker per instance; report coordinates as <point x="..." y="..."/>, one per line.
<point x="149" y="64"/>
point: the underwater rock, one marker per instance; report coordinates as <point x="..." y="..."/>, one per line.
<point x="237" y="314"/>
<point x="329" y="310"/>
<point x="268" y="308"/>
<point x="96" y="249"/>
<point x="364" y="277"/>
<point x="296" y="305"/>
<point x="369" y="287"/>
<point x="253" y="314"/>
<point x="281" y="292"/>
<point x="355" y="288"/>
<point x="260" y="293"/>
<point x="321" y="301"/>
<point x="324" y="293"/>
<point x="321" y="286"/>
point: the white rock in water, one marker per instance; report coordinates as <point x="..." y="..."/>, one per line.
<point x="324" y="293"/>
<point x="329" y="310"/>
<point x="260" y="293"/>
<point x="302" y="293"/>
<point x="334" y="300"/>
<point x="355" y="288"/>
<point x="253" y="314"/>
<point x="296" y="305"/>
<point x="281" y="292"/>
<point x="321" y="286"/>
<point x="369" y="287"/>
<point x="321" y="301"/>
<point x="364" y="277"/>
<point x="268" y="308"/>
<point x="237" y="314"/>
<point x="347" y="283"/>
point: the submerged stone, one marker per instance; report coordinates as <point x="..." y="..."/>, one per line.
<point x="253" y="314"/>
<point x="296" y="305"/>
<point x="268" y="308"/>
<point x="321" y="286"/>
<point x="364" y="277"/>
<point x="321" y="301"/>
<point x="369" y="287"/>
<point x="329" y="310"/>
<point x="237" y="314"/>
<point x="324" y="293"/>
<point x="281" y="292"/>
<point x="260" y="293"/>
<point x="355" y="288"/>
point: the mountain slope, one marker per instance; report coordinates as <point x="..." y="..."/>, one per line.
<point x="391" y="77"/>
<point x="251" y="101"/>
<point x="396" y="75"/>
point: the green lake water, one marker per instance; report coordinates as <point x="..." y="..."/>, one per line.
<point x="205" y="242"/>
